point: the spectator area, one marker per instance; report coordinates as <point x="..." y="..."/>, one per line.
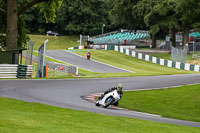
<point x="120" y="38"/>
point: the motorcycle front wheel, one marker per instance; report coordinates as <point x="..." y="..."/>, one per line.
<point x="97" y="104"/>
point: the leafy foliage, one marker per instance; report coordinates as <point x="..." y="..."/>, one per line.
<point x="157" y="14"/>
<point x="49" y="9"/>
<point x="124" y="14"/>
<point x="22" y="36"/>
<point x="88" y="16"/>
<point x="73" y="17"/>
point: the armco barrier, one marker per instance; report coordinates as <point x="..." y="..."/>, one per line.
<point x="78" y="47"/>
<point x="24" y="71"/>
<point x="8" y="71"/>
<point x="152" y="59"/>
<point x="15" y="71"/>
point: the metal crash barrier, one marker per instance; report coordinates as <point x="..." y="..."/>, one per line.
<point x="16" y="71"/>
<point x="24" y="71"/>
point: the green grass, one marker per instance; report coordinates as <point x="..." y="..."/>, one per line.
<point x="22" y="117"/>
<point x="142" y="68"/>
<point x="55" y="42"/>
<point x="167" y="56"/>
<point x="180" y="103"/>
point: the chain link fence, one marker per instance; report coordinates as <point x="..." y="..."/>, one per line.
<point x="54" y="65"/>
<point x="29" y="53"/>
<point x="179" y="54"/>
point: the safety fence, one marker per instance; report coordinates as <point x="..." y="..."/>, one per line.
<point x="152" y="59"/>
<point x="160" y="61"/>
<point x="15" y="71"/>
<point x="179" y="54"/>
<point x="24" y="71"/>
<point x="78" y="47"/>
<point x="62" y="69"/>
<point x="54" y="65"/>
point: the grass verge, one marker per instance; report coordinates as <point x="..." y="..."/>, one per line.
<point x="180" y="103"/>
<point x="142" y="68"/>
<point x="22" y="117"/>
<point x="167" y="56"/>
<point x="55" y="42"/>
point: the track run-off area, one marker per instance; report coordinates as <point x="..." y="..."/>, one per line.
<point x="68" y="93"/>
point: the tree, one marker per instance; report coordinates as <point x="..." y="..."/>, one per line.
<point x="158" y="15"/>
<point x="123" y="14"/>
<point x="82" y="17"/>
<point x="176" y="15"/>
<point x="73" y="17"/>
<point x="15" y="8"/>
<point x="188" y="11"/>
<point x="2" y="24"/>
<point x="35" y="21"/>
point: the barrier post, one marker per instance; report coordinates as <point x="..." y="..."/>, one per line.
<point x="76" y="70"/>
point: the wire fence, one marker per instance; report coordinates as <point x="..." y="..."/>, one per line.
<point x="179" y="54"/>
<point x="29" y="53"/>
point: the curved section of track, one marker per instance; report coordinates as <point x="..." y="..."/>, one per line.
<point x="82" y="62"/>
<point x="67" y="93"/>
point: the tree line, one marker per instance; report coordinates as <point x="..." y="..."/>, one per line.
<point x="74" y="17"/>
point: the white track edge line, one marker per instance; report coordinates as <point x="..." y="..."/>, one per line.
<point x="100" y="62"/>
<point x="66" y="62"/>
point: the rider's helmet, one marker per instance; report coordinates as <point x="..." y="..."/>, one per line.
<point x="119" y="87"/>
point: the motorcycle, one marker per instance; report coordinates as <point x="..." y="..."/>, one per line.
<point x="108" y="99"/>
<point x="88" y="56"/>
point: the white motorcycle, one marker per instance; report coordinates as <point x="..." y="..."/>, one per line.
<point x="110" y="98"/>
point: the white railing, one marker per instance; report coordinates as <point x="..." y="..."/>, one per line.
<point x="8" y="71"/>
<point x="15" y="71"/>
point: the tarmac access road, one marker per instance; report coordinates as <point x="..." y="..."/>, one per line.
<point x="76" y="60"/>
<point x="67" y="93"/>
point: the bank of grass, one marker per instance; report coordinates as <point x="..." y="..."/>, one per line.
<point x="167" y="56"/>
<point x="180" y="103"/>
<point x="55" y="42"/>
<point x="22" y="117"/>
<point x="140" y="67"/>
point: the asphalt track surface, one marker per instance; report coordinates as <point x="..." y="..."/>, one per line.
<point x="94" y="66"/>
<point x="67" y="93"/>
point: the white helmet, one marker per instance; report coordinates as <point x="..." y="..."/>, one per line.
<point x="119" y="87"/>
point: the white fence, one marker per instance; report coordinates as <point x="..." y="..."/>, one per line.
<point x="15" y="71"/>
<point x="8" y="71"/>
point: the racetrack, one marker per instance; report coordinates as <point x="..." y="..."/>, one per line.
<point x="82" y="62"/>
<point x="67" y="93"/>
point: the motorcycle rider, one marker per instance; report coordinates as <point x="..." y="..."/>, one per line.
<point x="119" y="91"/>
<point x="88" y="55"/>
